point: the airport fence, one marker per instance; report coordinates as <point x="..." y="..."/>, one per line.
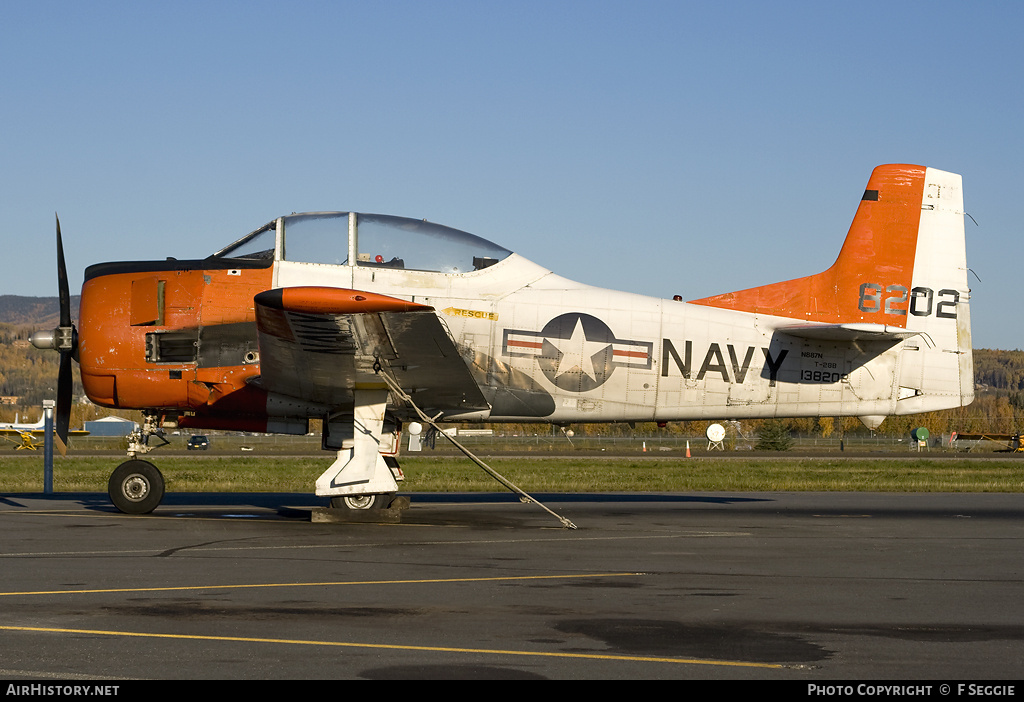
<point x="557" y="443"/>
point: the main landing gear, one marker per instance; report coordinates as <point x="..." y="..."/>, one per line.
<point x="361" y="482"/>
<point x="358" y="503"/>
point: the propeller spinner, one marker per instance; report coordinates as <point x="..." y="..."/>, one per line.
<point x="65" y="340"/>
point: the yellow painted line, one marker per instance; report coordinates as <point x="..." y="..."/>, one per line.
<point x="326" y="584"/>
<point x="397" y="647"/>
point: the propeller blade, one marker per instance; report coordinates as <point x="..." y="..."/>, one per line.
<point x="62" y="281"/>
<point x="63" y="418"/>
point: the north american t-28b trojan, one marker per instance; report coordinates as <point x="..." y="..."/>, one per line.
<point x="366" y="321"/>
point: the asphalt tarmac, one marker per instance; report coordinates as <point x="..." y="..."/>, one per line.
<point x="766" y="586"/>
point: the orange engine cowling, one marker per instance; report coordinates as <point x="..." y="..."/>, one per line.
<point x="173" y="335"/>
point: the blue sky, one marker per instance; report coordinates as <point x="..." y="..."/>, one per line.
<point x="657" y="147"/>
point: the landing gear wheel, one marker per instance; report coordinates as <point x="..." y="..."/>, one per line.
<point x="363" y="502"/>
<point x="136" y="487"/>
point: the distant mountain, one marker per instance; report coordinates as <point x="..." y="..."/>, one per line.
<point x="42" y="312"/>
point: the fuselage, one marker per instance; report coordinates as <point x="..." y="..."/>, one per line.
<point x="180" y="336"/>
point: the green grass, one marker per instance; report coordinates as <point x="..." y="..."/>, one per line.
<point x="211" y="473"/>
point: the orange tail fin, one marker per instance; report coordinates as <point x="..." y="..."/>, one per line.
<point x="879" y="253"/>
<point x="901" y="275"/>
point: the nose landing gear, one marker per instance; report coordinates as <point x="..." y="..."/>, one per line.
<point x="136" y="487"/>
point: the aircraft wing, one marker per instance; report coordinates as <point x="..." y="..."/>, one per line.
<point x="317" y="344"/>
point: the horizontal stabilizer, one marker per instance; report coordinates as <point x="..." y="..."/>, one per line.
<point x="847" y="332"/>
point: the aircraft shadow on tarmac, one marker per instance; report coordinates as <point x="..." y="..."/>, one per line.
<point x="270" y="500"/>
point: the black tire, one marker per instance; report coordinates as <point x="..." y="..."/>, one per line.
<point x="360" y="503"/>
<point x="136" y="487"/>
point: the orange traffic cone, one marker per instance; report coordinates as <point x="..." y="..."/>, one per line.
<point x="687" y="449"/>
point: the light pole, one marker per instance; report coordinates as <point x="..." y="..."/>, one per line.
<point x="48" y="446"/>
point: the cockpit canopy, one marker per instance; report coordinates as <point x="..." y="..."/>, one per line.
<point x="372" y="240"/>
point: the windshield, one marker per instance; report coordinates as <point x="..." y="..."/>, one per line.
<point x="257" y="246"/>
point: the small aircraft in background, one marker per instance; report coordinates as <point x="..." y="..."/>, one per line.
<point x="370" y="321"/>
<point x="28" y="433"/>
<point x="23" y="426"/>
